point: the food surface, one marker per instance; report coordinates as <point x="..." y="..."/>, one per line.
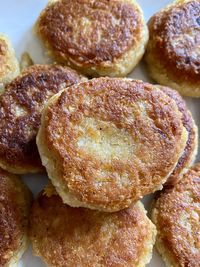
<point x="95" y="141"/>
<point x="190" y="151"/>
<point x="99" y="38"/>
<point x="173" y="54"/>
<point x="15" y="201"/>
<point x="108" y="142"/>
<point x="21" y="106"/>
<point x="63" y="236"/>
<point x="9" y="67"/>
<point x="176" y="216"/>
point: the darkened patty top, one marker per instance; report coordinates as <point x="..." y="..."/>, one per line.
<point x="15" y="200"/>
<point x="175" y="40"/>
<point x="20" y="110"/>
<point x="90" y="32"/>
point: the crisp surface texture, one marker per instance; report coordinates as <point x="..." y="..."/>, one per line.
<point x="173" y="53"/>
<point x="9" y="67"/>
<point x="190" y="151"/>
<point x="15" y="200"/>
<point x="21" y="107"/>
<point x="108" y="142"/>
<point x="97" y="37"/>
<point x="16" y="20"/>
<point x="65" y="236"/>
<point x="176" y="214"/>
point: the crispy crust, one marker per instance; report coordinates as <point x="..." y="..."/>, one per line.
<point x="190" y="151"/>
<point x="9" y="67"/>
<point x="108" y="142"/>
<point x="63" y="236"/>
<point x="21" y="107"/>
<point x="173" y="55"/>
<point x="99" y="38"/>
<point x="15" y="201"/>
<point x="176" y="214"/>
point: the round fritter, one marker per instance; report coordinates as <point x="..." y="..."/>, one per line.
<point x="21" y="106"/>
<point x="173" y="54"/>
<point x="99" y="38"/>
<point x="9" y="67"/>
<point x="15" y="202"/>
<point x="63" y="236"/>
<point x="176" y="214"/>
<point x="190" y="151"/>
<point x="107" y="142"/>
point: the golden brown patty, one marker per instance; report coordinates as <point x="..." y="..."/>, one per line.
<point x="21" y="106"/>
<point x="104" y="37"/>
<point x="9" y="67"/>
<point x="15" y="200"/>
<point x="177" y="217"/>
<point x="173" y="54"/>
<point x="190" y="151"/>
<point x="108" y="142"/>
<point x="63" y="236"/>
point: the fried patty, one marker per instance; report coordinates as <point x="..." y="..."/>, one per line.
<point x="190" y="151"/>
<point x="99" y="38"/>
<point x="108" y="142"/>
<point x="64" y="237"/>
<point x="20" y="113"/>
<point x="176" y="215"/>
<point x="173" y="54"/>
<point x="15" y="201"/>
<point x="9" y="67"/>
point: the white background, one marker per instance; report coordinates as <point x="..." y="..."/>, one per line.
<point x="16" y="20"/>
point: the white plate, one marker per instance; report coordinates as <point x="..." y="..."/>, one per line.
<point x="16" y="20"/>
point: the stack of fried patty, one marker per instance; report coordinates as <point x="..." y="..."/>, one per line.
<point x="105" y="142"/>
